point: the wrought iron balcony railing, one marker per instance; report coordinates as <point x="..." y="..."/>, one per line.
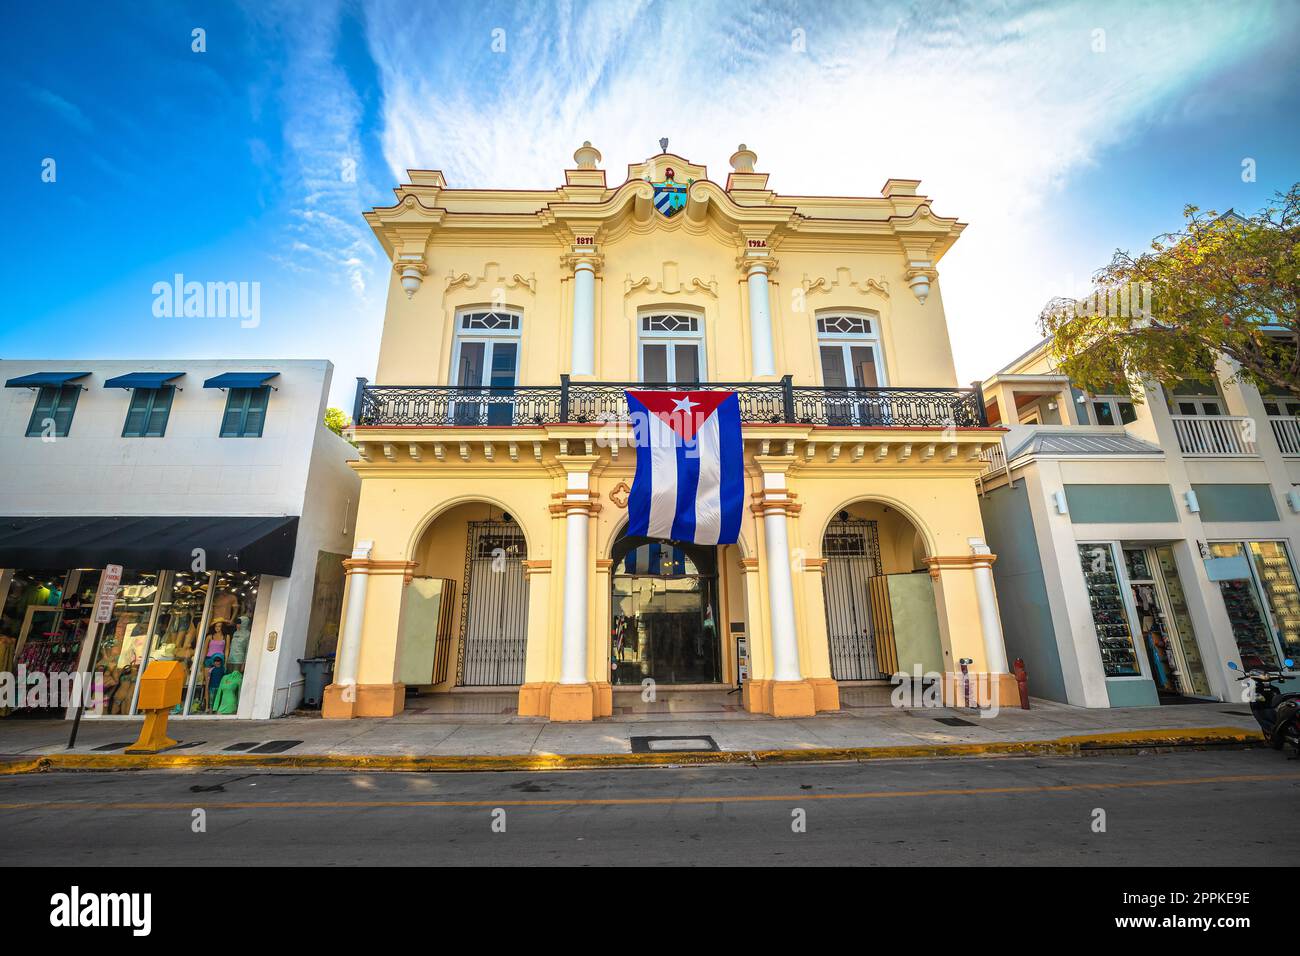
<point x="591" y="402"/>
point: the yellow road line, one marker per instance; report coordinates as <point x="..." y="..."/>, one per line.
<point x="655" y="801"/>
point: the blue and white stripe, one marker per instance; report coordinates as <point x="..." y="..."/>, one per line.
<point x="688" y="490"/>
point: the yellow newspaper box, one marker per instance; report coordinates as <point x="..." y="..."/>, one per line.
<point x="161" y="688"/>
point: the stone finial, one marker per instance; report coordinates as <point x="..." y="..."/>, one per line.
<point x="743" y="159"/>
<point x="586" y="156"/>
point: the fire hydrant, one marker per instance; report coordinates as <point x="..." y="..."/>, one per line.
<point x="1022" y="682"/>
<point x="161" y="686"/>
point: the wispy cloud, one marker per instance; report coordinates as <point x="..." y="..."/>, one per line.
<point x="994" y="107"/>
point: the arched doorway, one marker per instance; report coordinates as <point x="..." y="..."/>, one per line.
<point x="880" y="609"/>
<point x="464" y="620"/>
<point x="664" y="612"/>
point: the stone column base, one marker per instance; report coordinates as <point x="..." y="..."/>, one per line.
<point x="571" y="702"/>
<point x="604" y="698"/>
<point x="826" y="693"/>
<point x="365" y="700"/>
<point x="986" y="691"/>
<point x="535" y="699"/>
<point x="788" y="698"/>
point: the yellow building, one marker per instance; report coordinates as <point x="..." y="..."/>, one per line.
<point x="490" y="546"/>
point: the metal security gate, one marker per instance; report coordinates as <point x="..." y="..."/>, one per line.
<point x="852" y="553"/>
<point x="493" y="606"/>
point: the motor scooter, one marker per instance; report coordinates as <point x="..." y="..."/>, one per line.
<point x="1278" y="714"/>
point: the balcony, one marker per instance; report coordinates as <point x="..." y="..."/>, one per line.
<point x="1215" y="436"/>
<point x="1286" y="429"/>
<point x="774" y="403"/>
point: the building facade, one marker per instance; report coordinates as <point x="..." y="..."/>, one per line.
<point x="1143" y="544"/>
<point x="216" y="488"/>
<point x="490" y="538"/>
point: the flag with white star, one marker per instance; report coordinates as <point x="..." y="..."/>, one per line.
<point x="690" y="474"/>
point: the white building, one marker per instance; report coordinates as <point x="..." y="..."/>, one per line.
<point x="217" y="488"/>
<point x="1142" y="545"/>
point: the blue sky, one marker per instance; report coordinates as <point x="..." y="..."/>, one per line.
<point x="253" y="160"/>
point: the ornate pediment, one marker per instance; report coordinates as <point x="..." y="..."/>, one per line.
<point x="671" y="283"/>
<point x="843" y="281"/>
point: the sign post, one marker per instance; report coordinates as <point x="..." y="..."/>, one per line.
<point x="105" y="598"/>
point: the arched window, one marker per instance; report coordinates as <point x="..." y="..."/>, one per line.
<point x="671" y="347"/>
<point x="848" y="346"/>
<point x="485" y="361"/>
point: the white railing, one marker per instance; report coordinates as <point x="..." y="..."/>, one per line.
<point x="1215" y="435"/>
<point x="1287" y="432"/>
<point x="995" y="460"/>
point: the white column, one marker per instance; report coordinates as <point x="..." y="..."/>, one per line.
<point x="349" y="652"/>
<point x="573" y="640"/>
<point x="760" y="321"/>
<point x="995" y="650"/>
<point x="780" y="595"/>
<point x="583" y="360"/>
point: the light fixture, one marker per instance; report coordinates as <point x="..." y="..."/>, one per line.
<point x="1193" y="504"/>
<point x="1293" y="500"/>
<point x="1062" y="506"/>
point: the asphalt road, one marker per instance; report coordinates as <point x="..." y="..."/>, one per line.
<point x="1235" y="807"/>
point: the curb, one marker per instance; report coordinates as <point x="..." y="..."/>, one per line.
<point x="1161" y="739"/>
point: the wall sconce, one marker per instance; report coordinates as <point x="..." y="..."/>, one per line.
<point x="919" y="276"/>
<point x="412" y="272"/>
<point x="1293" y="500"/>
<point x="1062" y="506"/>
<point x="1193" y="504"/>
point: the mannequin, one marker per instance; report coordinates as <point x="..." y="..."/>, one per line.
<point x="239" y="642"/>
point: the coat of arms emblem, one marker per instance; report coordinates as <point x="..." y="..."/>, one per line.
<point x="670" y="195"/>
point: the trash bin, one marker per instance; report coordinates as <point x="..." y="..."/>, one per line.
<point x="317" y="672"/>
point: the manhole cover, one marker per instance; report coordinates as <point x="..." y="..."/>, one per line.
<point x="275" y="747"/>
<point x="648" y="745"/>
<point x="955" y="722"/>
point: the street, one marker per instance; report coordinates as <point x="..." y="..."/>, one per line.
<point x="1174" y="809"/>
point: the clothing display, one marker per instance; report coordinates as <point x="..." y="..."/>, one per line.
<point x="1114" y="639"/>
<point x="226" y="699"/>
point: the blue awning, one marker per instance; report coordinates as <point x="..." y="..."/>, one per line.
<point x="143" y="380"/>
<point x="37" y="379"/>
<point x="240" y="380"/>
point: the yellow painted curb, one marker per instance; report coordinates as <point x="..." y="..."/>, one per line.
<point x="1067" y="746"/>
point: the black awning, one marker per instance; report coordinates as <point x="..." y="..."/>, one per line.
<point x="256" y="545"/>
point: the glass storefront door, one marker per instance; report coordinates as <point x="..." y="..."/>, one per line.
<point x="664" y="625"/>
<point x="1167" y="634"/>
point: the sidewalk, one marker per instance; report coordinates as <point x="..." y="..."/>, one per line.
<point x="481" y="731"/>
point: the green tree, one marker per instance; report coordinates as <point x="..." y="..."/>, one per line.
<point x="336" y="420"/>
<point x="1222" y="286"/>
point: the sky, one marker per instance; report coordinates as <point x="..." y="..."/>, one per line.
<point x="136" y="149"/>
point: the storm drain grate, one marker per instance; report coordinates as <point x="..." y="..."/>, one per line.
<point x="955" y="722"/>
<point x="1239" y="713"/>
<point x="187" y="745"/>
<point x="236" y="748"/>
<point x="114" y="746"/>
<point x="275" y="747"/>
<point x="654" y="745"/>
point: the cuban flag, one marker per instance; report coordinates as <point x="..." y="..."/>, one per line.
<point x="690" y="477"/>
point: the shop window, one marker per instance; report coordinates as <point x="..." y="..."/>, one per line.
<point x="124" y="640"/>
<point x="1278" y="582"/>
<point x="218" y="672"/>
<point x="148" y="413"/>
<point x="1246" y="614"/>
<point x="245" y="412"/>
<point x="1109" y="612"/>
<point x="52" y="414"/>
<point x="181" y="606"/>
<point x="43" y="626"/>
